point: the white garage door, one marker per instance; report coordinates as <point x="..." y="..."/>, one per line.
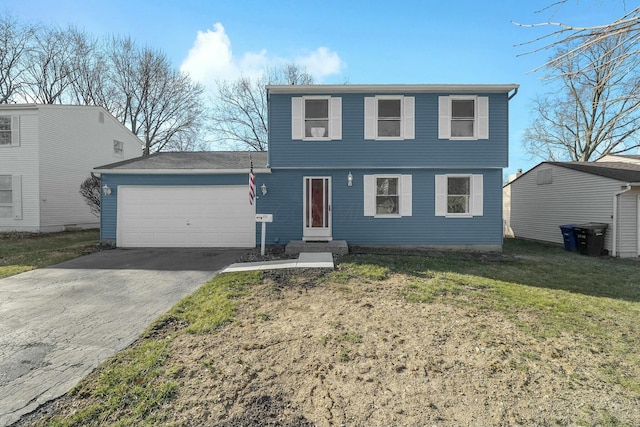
<point x="211" y="216"/>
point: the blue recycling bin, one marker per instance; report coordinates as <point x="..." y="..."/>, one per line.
<point x="569" y="237"/>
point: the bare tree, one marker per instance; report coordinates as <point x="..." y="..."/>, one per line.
<point x="161" y="105"/>
<point x="170" y="104"/>
<point x="594" y="107"/>
<point x="87" y="62"/>
<point x="582" y="38"/>
<point x="123" y="56"/>
<point x="90" y="191"/>
<point x="15" y="39"/>
<point x="239" y="113"/>
<point x="49" y="70"/>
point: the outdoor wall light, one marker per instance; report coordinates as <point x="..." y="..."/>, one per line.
<point x="106" y="190"/>
<point x="263" y="187"/>
<point x="349" y="179"/>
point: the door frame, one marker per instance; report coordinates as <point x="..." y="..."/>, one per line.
<point x="317" y="233"/>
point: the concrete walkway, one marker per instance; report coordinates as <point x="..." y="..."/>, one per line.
<point x="305" y="260"/>
<point x="58" y="324"/>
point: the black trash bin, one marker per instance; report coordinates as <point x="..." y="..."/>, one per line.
<point x="590" y="238"/>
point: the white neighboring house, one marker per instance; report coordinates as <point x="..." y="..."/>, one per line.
<point x="538" y="202"/>
<point x="46" y="152"/>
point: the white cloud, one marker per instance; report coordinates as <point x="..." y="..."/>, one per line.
<point x="211" y="58"/>
<point x="321" y="63"/>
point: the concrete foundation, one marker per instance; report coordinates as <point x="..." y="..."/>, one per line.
<point x="338" y="247"/>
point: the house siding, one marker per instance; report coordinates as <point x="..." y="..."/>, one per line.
<point x="73" y="141"/>
<point x="537" y="211"/>
<point x="24" y="160"/>
<point x="285" y="201"/>
<point x="352" y="151"/>
<point x="109" y="204"/>
<point x="628" y="224"/>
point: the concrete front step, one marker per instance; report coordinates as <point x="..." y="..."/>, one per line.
<point x="338" y="247"/>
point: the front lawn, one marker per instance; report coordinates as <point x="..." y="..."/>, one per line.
<point x="20" y="252"/>
<point x="532" y="336"/>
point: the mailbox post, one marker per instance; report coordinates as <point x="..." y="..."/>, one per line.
<point x="264" y="219"/>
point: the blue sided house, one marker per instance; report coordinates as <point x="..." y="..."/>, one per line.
<point x="391" y="165"/>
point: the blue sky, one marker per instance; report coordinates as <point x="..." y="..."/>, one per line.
<point x="359" y="42"/>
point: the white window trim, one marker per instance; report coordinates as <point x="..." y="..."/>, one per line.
<point x="407" y="118"/>
<point x="476" y="195"/>
<point x="481" y="117"/>
<point x="405" y="189"/>
<point x="298" y="118"/>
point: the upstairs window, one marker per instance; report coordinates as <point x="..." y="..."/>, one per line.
<point x="5" y="130"/>
<point x="316" y="118"/>
<point x="544" y="176"/>
<point x="118" y="148"/>
<point x="389" y="117"/>
<point x="9" y="131"/>
<point x="463" y="117"/>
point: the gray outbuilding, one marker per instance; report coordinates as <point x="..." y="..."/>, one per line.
<point x="538" y="202"/>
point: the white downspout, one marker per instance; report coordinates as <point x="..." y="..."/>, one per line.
<point x="614" y="238"/>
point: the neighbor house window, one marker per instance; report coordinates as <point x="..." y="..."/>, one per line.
<point x="11" y="196"/>
<point x="316" y="118"/>
<point x="6" y="196"/>
<point x="387" y="195"/>
<point x="389" y="117"/>
<point x="5" y="130"/>
<point x="118" y="148"/>
<point x="544" y="176"/>
<point x="463" y="117"/>
<point x="459" y="195"/>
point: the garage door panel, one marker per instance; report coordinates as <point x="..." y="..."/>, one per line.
<point x="207" y="216"/>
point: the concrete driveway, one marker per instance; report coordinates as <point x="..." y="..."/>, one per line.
<point x="57" y="324"/>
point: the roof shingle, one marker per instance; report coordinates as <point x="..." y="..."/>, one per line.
<point x="202" y="160"/>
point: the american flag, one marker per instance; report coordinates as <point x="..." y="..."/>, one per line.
<point x="252" y="185"/>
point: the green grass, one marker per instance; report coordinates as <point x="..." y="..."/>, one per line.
<point x="20" y="252"/>
<point x="212" y="305"/>
<point x="128" y="391"/>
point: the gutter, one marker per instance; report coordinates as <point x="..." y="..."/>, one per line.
<point x="614" y="240"/>
<point x="181" y="171"/>
<point x="515" y="92"/>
